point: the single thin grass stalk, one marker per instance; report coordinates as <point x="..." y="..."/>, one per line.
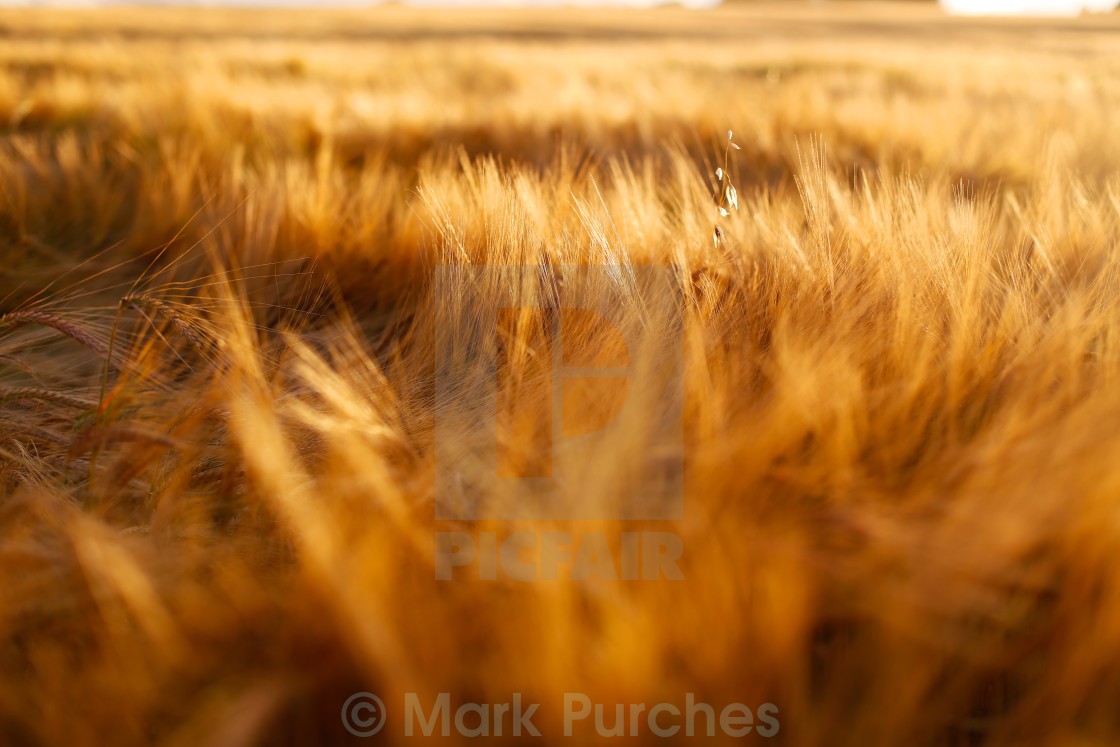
<point x="725" y="193"/>
<point x="104" y="387"/>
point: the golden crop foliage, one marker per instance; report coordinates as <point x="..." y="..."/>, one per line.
<point x="901" y="377"/>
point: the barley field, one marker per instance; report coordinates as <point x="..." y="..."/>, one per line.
<point x="232" y="242"/>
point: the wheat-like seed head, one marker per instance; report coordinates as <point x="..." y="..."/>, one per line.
<point x="38" y="393"/>
<point x="56" y="321"/>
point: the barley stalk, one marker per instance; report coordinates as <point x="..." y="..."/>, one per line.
<point x="54" y="321"/>
<point x="173" y="315"/>
<point x="29" y="392"/>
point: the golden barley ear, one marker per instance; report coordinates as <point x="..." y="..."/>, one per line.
<point x="185" y="321"/>
<point x="56" y="321"/>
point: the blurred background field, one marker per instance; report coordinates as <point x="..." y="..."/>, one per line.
<point x="217" y="232"/>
